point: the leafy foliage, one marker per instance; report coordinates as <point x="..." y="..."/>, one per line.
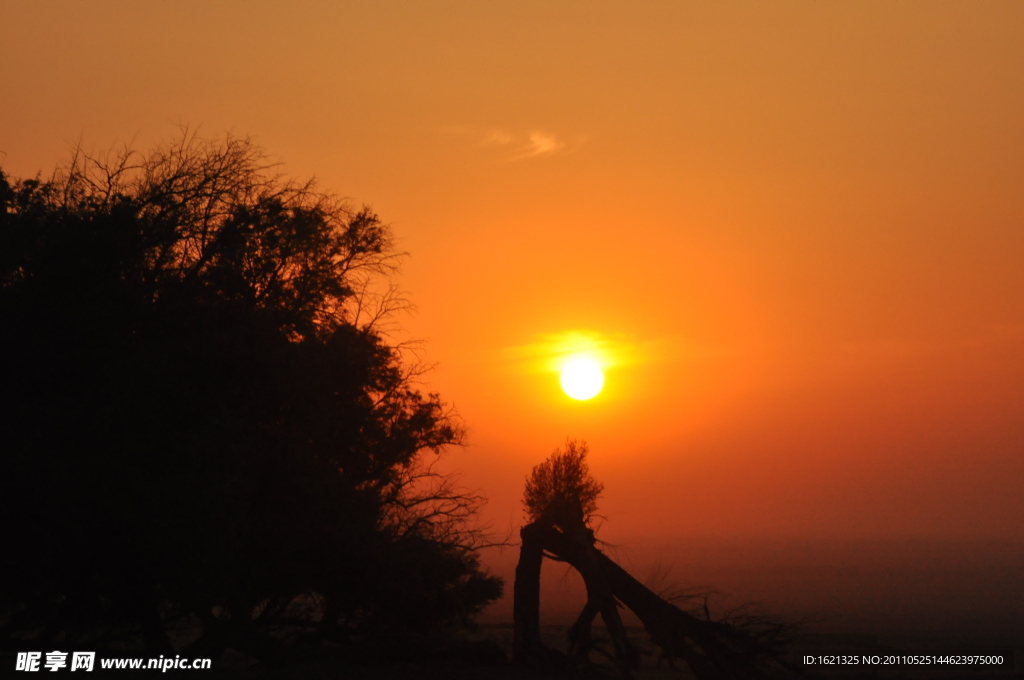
<point x="205" y="414"/>
<point x="562" y="480"/>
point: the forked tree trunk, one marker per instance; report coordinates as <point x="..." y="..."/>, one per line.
<point x="680" y="635"/>
<point x="713" y="650"/>
<point x="599" y="592"/>
<point x="527" y="646"/>
<point x="579" y="634"/>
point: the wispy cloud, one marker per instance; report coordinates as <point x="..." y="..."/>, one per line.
<point x="517" y="146"/>
<point x="540" y="143"/>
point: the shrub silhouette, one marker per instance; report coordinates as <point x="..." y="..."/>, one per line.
<point x="562" y="480"/>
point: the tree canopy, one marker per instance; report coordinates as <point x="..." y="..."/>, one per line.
<point x="562" y="480"/>
<point x="205" y="418"/>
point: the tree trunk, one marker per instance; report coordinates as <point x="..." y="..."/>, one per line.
<point x="579" y="634"/>
<point x="526" y="644"/>
<point x="599" y="592"/>
<point x="668" y="626"/>
<point x="713" y="650"/>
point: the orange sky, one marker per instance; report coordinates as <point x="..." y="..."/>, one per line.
<point x="801" y="224"/>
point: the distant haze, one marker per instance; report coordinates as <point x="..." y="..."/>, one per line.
<point x="895" y="591"/>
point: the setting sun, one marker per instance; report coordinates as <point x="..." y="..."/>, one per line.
<point x="582" y="379"/>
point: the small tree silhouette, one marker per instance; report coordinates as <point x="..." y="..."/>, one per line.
<point x="560" y="498"/>
<point x="562" y="480"/>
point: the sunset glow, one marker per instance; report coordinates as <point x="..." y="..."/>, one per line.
<point x="799" y="256"/>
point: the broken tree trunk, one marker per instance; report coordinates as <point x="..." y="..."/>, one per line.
<point x="713" y="650"/>
<point x="527" y="647"/>
<point x="600" y="598"/>
<point x="579" y="634"/>
<point x="526" y="644"/>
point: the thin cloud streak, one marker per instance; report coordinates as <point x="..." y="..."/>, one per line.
<point x="540" y="144"/>
<point x="536" y="143"/>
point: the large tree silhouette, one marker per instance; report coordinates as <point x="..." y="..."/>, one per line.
<point x="204" y="420"/>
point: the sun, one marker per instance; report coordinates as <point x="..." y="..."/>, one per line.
<point x="582" y="379"/>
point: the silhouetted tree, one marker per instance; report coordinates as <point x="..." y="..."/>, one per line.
<point x="205" y="420"/>
<point x="564" y="478"/>
<point x="560" y="498"/>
